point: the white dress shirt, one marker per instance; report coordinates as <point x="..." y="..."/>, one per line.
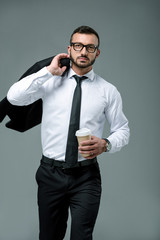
<point x="100" y="101"/>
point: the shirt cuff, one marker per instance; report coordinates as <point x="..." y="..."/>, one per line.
<point x="114" y="147"/>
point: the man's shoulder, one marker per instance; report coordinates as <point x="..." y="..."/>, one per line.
<point x="104" y="82"/>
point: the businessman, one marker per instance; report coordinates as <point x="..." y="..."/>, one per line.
<point x="72" y="99"/>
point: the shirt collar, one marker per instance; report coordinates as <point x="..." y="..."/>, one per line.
<point x="89" y="75"/>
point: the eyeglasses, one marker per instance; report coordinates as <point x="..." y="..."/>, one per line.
<point x="91" y="48"/>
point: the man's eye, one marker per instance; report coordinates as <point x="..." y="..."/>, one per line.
<point x="78" y="45"/>
<point x="91" y="47"/>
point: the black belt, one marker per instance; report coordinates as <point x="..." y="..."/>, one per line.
<point x="64" y="165"/>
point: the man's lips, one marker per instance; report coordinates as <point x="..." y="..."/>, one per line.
<point x="83" y="58"/>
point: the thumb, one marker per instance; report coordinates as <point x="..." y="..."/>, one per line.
<point x="63" y="69"/>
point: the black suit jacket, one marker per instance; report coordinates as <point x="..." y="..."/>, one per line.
<point x="23" y="118"/>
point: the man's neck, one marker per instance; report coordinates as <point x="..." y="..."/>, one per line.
<point x="81" y="71"/>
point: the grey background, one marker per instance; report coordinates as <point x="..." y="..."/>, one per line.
<point x="130" y="54"/>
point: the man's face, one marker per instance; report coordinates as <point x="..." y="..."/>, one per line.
<point x="83" y="59"/>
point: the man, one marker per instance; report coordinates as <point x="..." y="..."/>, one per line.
<point x="63" y="184"/>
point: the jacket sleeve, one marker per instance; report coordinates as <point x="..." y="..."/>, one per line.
<point x="23" y="118"/>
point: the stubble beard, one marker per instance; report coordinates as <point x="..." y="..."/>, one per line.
<point x="82" y="65"/>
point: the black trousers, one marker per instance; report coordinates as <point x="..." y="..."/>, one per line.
<point x="59" y="190"/>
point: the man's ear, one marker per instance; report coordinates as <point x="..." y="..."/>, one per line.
<point x="69" y="50"/>
<point x="98" y="52"/>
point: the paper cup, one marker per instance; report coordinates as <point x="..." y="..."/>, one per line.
<point x="82" y="135"/>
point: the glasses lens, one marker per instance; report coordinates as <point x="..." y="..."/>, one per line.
<point x="91" y="48"/>
<point x="77" y="46"/>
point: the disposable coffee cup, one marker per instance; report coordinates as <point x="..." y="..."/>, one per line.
<point x="83" y="134"/>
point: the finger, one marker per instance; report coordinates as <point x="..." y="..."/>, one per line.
<point x="62" y="55"/>
<point x="63" y="69"/>
<point x="87" y="143"/>
<point x="86" y="148"/>
<point x="88" y="152"/>
<point x="58" y="57"/>
<point x="91" y="155"/>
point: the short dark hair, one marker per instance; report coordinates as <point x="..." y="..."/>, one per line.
<point x="87" y="30"/>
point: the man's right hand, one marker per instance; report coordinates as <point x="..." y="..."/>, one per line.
<point x="55" y="66"/>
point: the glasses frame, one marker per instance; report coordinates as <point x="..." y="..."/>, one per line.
<point x="86" y="46"/>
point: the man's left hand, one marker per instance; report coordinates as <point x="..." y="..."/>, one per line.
<point x="93" y="147"/>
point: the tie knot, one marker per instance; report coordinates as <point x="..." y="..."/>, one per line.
<point x="79" y="79"/>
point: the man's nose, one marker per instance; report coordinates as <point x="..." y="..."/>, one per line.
<point x="84" y="50"/>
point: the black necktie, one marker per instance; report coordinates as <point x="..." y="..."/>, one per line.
<point x="72" y="143"/>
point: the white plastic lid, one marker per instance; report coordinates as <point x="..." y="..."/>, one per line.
<point x="83" y="132"/>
